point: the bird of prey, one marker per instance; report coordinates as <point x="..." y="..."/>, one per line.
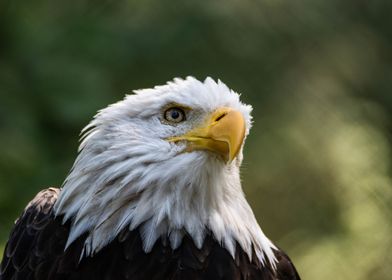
<point x="154" y="193"/>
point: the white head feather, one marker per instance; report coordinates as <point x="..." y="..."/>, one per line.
<point x="128" y="175"/>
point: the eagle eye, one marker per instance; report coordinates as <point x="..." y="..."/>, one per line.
<point x="174" y="115"/>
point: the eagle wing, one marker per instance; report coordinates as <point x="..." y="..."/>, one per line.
<point x="30" y="242"/>
<point x="285" y="269"/>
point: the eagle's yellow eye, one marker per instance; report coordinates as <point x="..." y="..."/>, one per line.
<point x="174" y="115"/>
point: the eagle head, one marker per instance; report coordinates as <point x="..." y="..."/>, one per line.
<point x="164" y="161"/>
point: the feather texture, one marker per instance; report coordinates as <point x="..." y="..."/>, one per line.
<point x="35" y="250"/>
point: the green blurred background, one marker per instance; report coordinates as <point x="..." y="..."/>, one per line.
<point x="318" y="73"/>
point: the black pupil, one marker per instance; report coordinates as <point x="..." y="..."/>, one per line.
<point x="175" y="114"/>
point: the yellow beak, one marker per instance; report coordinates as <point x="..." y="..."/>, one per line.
<point x="223" y="133"/>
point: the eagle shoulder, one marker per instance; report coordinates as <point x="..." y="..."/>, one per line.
<point x="29" y="237"/>
<point x="285" y="269"/>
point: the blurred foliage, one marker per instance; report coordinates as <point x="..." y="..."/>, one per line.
<point x="318" y="73"/>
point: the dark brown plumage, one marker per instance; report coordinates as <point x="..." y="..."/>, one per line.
<point x="35" y="250"/>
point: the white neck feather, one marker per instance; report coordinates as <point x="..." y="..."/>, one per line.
<point x="188" y="193"/>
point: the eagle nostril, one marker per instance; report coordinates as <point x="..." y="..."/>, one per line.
<point x="220" y="117"/>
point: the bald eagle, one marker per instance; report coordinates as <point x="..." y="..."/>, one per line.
<point x="154" y="193"/>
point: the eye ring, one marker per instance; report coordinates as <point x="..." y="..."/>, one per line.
<point x="174" y="115"/>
